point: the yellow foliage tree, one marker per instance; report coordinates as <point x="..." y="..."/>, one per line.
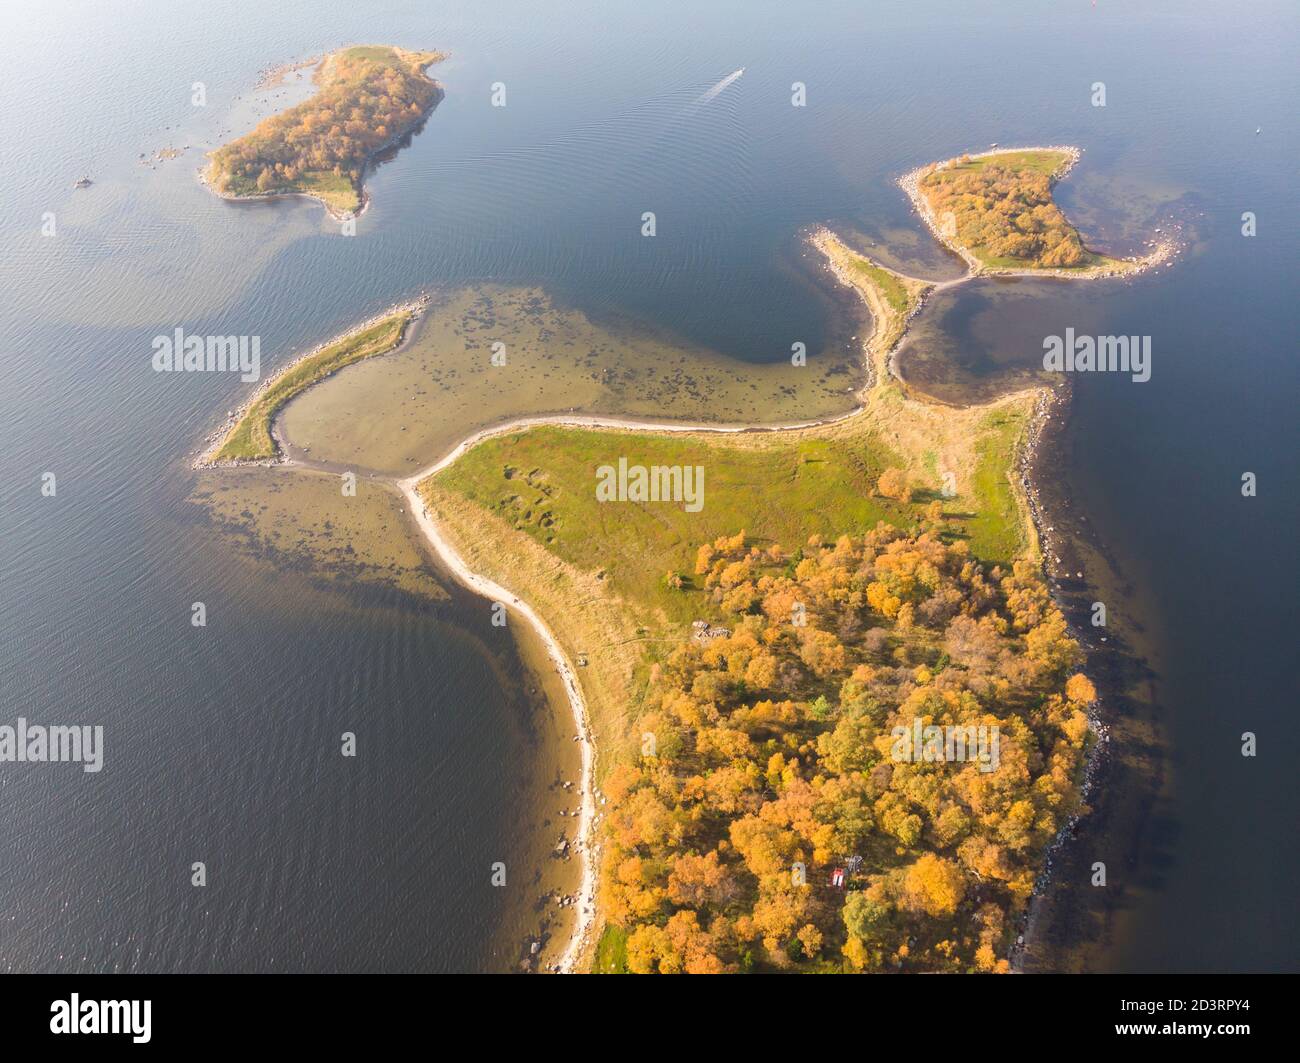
<point x="1079" y="689"/>
<point x="934" y="885"/>
<point x="893" y="484"/>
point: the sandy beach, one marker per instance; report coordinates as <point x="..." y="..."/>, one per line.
<point x="586" y="900"/>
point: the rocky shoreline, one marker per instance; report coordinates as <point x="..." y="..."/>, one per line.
<point x="1048" y="414"/>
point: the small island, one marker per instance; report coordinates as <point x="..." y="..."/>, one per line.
<point x="995" y="209"/>
<point x="367" y="99"/>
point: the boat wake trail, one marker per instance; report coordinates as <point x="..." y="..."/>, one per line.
<point x="721" y="85"/>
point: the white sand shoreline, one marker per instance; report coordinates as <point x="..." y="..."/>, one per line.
<point x="586" y="902"/>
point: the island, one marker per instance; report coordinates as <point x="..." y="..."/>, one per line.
<point x="368" y="98"/>
<point x="830" y="716"/>
<point x="995" y="209"/>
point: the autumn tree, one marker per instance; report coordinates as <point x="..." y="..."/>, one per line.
<point x="1080" y="690"/>
<point x="776" y="763"/>
<point x="893" y="483"/>
<point x="934" y="886"/>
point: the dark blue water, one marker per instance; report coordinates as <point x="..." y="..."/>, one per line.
<point x="218" y="746"/>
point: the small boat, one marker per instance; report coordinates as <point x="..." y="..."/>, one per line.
<point x="82" y="182"/>
<point x="1258" y="130"/>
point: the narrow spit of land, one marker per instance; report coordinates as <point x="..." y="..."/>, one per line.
<point x="246" y="437"/>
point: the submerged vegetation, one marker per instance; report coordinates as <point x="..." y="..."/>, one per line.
<point x="769" y="809"/>
<point x="367" y="98"/>
<point x="442" y="386"/>
<point x="249" y="438"/>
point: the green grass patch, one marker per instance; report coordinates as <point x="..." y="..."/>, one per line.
<point x="995" y="530"/>
<point x="1047" y="162"/>
<point x="373" y="53"/>
<point x="250" y="438"/>
<point x="890" y="286"/>
<point x="611" y="951"/>
<point x="543" y="483"/>
<point x="336" y="190"/>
